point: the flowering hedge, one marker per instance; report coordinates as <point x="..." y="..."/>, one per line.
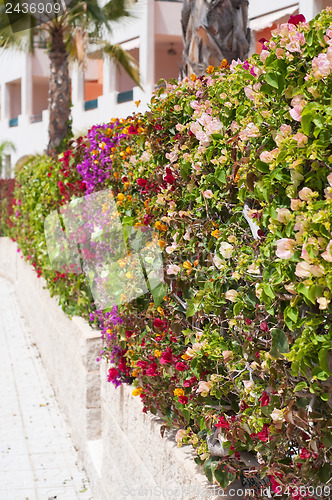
<point x="233" y="171"/>
<point x="6" y="203"/>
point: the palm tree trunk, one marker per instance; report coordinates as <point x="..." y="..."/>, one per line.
<point x="59" y="91"/>
<point x="213" y="30"/>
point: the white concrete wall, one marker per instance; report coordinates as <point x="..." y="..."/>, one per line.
<point x="121" y="447"/>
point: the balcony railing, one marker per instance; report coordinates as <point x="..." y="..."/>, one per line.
<point x="93" y="104"/>
<point x="13" y="122"/>
<point x="36" y="118"/>
<point x="125" y="96"/>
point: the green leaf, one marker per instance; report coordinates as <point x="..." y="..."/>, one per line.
<point x="279" y="343"/>
<point x="325" y="473"/>
<point x="322" y="356"/>
<point x="272" y="79"/>
<point x="300" y="386"/>
<point x="223" y="477"/>
<point x="306" y="292"/>
<point x="158" y="293"/>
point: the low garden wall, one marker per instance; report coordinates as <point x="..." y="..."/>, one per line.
<point x="120" y="446"/>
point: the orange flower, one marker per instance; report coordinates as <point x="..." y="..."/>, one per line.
<point x="121" y="197"/>
<point x="137" y="392"/>
<point x="216" y="233"/>
<point x="193" y="77"/>
<point x="210" y="70"/>
<point x="224" y="64"/>
<point x="187" y="264"/>
<point x="116" y="175"/>
<point x="162" y="243"/>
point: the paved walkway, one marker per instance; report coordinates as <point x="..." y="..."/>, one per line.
<point x="37" y="457"/>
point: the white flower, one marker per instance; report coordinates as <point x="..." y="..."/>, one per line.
<point x="218" y="262"/>
<point x="231" y="295"/>
<point x="173" y="269"/>
<point x="208" y="193"/>
<point x="278" y="418"/>
<point x="323" y="302"/>
<point x="285" y="248"/>
<point x="226" y="249"/>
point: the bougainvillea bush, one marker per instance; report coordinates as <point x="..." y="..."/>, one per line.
<point x="233" y="171"/>
<point x="6" y="203"/>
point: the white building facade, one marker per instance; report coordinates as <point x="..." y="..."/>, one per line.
<point x="152" y="36"/>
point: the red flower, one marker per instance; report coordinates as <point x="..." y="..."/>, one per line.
<point x="183" y="400"/>
<point x="248" y="321"/>
<point x="128" y="334"/>
<point x="142" y="182"/>
<point x="243" y="405"/>
<point x="263" y="435"/>
<point x="151" y="371"/>
<point x="299" y="18"/>
<point x="222" y="423"/>
<point x="158" y="323"/>
<point x="142" y="364"/>
<point x="265" y="399"/>
<point x="123" y="365"/>
<point x="169" y="178"/>
<point x="264" y="326"/>
<point x="166" y="356"/>
<point x="112" y="374"/>
<point x="180" y="366"/>
<point x="304" y="454"/>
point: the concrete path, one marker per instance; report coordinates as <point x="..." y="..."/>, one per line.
<point x="37" y="457"/>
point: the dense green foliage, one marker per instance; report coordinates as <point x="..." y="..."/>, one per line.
<point x="237" y="341"/>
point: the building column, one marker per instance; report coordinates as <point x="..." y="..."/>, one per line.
<point x="309" y="8"/>
<point x="4" y="101"/>
<point x="26" y="87"/>
<point x="109" y="76"/>
<point x="77" y="85"/>
<point x="147" y="49"/>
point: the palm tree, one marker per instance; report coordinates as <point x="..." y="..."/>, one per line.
<point x="213" y="30"/>
<point x="68" y="33"/>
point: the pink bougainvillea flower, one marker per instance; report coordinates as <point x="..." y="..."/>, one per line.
<point x="208" y="194"/>
<point x="302" y="269"/>
<point x="173" y="269"/>
<point x="322" y="65"/>
<point x="327" y="255"/>
<point x="283" y="215"/>
<point x="306" y="194"/>
<point x="285" y="248"/>
<point x="295" y="112"/>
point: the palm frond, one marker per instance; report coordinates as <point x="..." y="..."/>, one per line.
<point x="123" y="59"/>
<point x="116" y="10"/>
<point x="18" y="31"/>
